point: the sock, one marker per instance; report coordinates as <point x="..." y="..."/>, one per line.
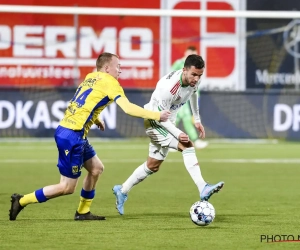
<point x="35" y="197"/>
<point x="192" y="166"/>
<point x="86" y="199"/>
<point x="139" y="174"/>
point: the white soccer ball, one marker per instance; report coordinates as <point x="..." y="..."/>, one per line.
<point x="202" y="213"/>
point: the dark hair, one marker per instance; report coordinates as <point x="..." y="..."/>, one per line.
<point x="194" y="60"/>
<point x="192" y="48"/>
<point x="104" y="58"/>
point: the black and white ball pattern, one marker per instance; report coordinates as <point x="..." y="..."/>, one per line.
<point x="202" y="213"/>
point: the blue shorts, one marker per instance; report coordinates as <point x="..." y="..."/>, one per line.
<point x="73" y="151"/>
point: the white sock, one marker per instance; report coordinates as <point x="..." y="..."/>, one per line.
<point x="139" y="174"/>
<point x="193" y="167"/>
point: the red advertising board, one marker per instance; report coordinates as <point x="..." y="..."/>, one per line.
<point x="216" y="39"/>
<point x="47" y="49"/>
<point x="51" y="50"/>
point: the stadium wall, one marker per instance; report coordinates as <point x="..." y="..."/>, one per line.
<point x="36" y="113"/>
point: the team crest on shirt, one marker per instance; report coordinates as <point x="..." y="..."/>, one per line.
<point x="76" y="169"/>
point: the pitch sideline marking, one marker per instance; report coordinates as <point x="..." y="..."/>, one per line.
<point x="239" y="161"/>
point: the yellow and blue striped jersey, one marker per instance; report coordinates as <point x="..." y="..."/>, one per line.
<point x="96" y="92"/>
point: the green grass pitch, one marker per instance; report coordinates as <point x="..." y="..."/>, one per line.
<point x="260" y="197"/>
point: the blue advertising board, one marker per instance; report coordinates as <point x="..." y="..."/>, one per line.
<point x="36" y="113"/>
<point x="272" y="47"/>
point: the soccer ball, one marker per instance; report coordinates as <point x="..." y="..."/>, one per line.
<point x="202" y="213"/>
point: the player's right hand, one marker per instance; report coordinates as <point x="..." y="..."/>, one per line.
<point x="100" y="124"/>
<point x="164" y="115"/>
<point x="183" y="138"/>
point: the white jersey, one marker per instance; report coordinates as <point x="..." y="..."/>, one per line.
<point x="169" y="94"/>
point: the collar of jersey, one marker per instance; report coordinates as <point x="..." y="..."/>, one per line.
<point x="182" y="83"/>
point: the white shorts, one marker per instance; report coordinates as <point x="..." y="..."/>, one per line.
<point x="161" y="140"/>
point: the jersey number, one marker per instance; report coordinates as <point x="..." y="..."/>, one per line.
<point x="80" y="100"/>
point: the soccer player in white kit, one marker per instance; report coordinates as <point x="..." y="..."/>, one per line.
<point x="171" y="93"/>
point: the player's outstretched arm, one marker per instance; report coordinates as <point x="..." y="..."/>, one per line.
<point x="134" y="110"/>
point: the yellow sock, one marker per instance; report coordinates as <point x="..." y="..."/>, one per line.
<point x="28" y="199"/>
<point x="84" y="205"/>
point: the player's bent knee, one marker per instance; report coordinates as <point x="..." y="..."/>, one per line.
<point x="154" y="166"/>
<point x="94" y="166"/>
<point x="97" y="170"/>
<point x="154" y="169"/>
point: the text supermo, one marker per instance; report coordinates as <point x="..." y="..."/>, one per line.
<point x="47" y="41"/>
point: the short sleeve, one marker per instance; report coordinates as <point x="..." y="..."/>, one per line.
<point x="114" y="90"/>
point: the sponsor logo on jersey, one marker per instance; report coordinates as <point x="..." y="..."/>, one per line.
<point x="176" y="106"/>
<point x="170" y="75"/>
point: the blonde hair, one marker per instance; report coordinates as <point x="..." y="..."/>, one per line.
<point x="103" y="59"/>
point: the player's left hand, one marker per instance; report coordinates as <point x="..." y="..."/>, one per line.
<point x="201" y="129"/>
<point x="101" y="125"/>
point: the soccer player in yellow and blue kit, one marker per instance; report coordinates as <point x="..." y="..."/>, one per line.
<point x="94" y="94"/>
